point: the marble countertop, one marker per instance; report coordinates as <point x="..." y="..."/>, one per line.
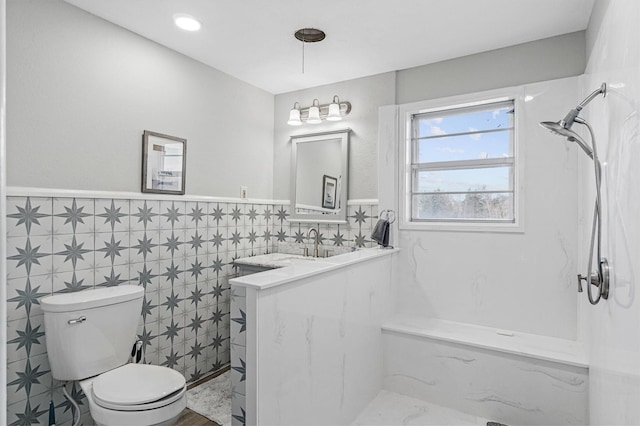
<point x="299" y="267"/>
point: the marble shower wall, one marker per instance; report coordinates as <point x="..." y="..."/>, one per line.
<point x="489" y="278"/>
<point x="181" y="251"/>
<point x="614" y="324"/>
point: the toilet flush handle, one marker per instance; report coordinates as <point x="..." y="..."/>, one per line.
<point x="79" y="320"/>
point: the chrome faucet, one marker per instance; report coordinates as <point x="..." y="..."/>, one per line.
<point x="315" y="241"/>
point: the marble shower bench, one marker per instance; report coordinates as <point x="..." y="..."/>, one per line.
<point x="504" y="375"/>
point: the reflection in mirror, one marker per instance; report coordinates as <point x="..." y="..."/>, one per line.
<point x="319" y="177"/>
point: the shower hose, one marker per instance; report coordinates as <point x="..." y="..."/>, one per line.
<point x="596" y="227"/>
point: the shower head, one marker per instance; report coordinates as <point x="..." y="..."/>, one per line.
<point x="558" y="128"/>
<point x="563" y="127"/>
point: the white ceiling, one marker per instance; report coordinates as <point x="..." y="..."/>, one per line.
<point x="253" y="41"/>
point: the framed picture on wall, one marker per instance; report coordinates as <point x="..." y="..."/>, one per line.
<point x="329" y="186"/>
<point x="164" y="163"/>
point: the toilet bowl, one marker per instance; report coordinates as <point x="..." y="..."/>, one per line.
<point x="136" y="395"/>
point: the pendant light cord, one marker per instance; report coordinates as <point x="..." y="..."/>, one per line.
<point x="303" y="42"/>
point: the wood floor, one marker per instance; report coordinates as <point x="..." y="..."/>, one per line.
<point x="191" y="418"/>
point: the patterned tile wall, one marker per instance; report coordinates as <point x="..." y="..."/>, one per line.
<point x="238" y="355"/>
<point x="182" y="252"/>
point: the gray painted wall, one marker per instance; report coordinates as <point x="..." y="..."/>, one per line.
<point x="81" y="90"/>
<point x="366" y="96"/>
<point x="547" y="59"/>
<point x="596" y="19"/>
<point x="541" y="60"/>
<point x="3" y="211"/>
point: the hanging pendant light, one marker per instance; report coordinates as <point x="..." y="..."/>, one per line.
<point x="294" y="115"/>
<point x="334" y="110"/>
<point x="314" y="113"/>
<point x="308" y="35"/>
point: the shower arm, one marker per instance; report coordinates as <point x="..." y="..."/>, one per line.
<point x="602" y="89"/>
<point x="571" y="117"/>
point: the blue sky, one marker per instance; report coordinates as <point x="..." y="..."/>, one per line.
<point x="466" y="147"/>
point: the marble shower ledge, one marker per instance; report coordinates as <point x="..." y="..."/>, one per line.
<point x="304" y="269"/>
<point x="546" y="348"/>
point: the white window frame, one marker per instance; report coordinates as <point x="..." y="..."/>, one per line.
<point x="405" y="114"/>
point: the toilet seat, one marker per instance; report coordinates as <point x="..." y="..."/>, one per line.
<point x="137" y="416"/>
<point x="138" y="387"/>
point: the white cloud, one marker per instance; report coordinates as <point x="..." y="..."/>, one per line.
<point x="435" y="130"/>
<point x="434" y="121"/>
<point x="496" y="113"/>
<point x="474" y="137"/>
<point x="451" y="150"/>
<point x="483" y="155"/>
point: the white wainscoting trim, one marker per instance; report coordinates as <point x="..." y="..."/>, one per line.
<point x="21" y="191"/>
<point x="77" y="193"/>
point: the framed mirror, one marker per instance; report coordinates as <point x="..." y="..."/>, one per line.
<point x="319" y="177"/>
<point x="164" y="163"/>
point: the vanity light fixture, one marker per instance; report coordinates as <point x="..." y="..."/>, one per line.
<point x="186" y="22"/>
<point x="314" y="114"/>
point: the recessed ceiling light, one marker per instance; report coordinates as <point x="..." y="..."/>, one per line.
<point x="186" y="22"/>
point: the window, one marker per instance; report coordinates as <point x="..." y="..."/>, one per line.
<point x="461" y="165"/>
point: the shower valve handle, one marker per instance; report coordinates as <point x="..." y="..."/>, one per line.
<point x="580" y="278"/>
<point x="596" y="281"/>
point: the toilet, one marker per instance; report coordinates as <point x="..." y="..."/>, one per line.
<point x="90" y="335"/>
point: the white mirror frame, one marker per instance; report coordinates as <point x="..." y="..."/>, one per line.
<point x="296" y="142"/>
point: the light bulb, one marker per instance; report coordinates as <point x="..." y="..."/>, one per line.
<point x="314" y="113"/>
<point x="334" y="110"/>
<point x="294" y="117"/>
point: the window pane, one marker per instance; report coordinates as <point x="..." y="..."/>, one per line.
<point x="463" y="161"/>
<point x="485" y="206"/>
<point x="466" y="147"/>
<point x="464" y="180"/>
<point x="496" y="116"/>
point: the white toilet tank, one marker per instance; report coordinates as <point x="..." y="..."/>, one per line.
<point x="91" y="331"/>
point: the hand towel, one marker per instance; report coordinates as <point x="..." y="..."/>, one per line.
<point x="380" y="233"/>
